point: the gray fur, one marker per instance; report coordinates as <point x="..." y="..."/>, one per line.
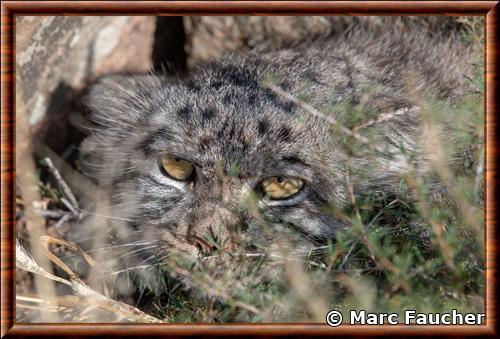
<point x="226" y="112"/>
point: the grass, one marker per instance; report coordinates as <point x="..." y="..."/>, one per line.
<point x="425" y="254"/>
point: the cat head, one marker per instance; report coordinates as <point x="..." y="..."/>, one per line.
<point x="212" y="156"/>
<point x="226" y="160"/>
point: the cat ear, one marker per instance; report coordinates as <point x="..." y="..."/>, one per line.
<point x="115" y="105"/>
<point x="119" y="100"/>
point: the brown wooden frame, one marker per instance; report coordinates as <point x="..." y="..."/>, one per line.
<point x="9" y="9"/>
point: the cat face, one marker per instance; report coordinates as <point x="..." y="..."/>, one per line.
<point x="203" y="163"/>
<point x="223" y="160"/>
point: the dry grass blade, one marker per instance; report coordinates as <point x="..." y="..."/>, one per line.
<point x="62" y="184"/>
<point x="28" y="187"/>
<point x="313" y="111"/>
<point x="77" y="182"/>
<point x="87" y="296"/>
<point x="45" y="241"/>
<point x="25" y="261"/>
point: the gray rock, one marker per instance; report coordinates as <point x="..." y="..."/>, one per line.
<point x="56" y="57"/>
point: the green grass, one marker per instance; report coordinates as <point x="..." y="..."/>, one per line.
<point x="426" y="254"/>
<point x="423" y="255"/>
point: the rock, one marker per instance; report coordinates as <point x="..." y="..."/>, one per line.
<point x="57" y="56"/>
<point x="209" y="37"/>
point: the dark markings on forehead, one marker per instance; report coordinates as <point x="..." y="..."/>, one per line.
<point x="282" y="104"/>
<point x="252" y="90"/>
<point x="146" y="144"/>
<point x="232" y="135"/>
<point x="185" y="112"/>
<point x="262" y="127"/>
<point x="208" y="114"/>
<point x="239" y="97"/>
<point x="239" y="76"/>
<point x="284" y="133"/>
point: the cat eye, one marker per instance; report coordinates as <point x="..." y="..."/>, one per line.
<point x="281" y="187"/>
<point x="177" y="168"/>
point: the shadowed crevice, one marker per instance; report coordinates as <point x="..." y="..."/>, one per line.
<point x="168" y="49"/>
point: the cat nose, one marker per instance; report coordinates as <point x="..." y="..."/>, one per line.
<point x="203" y="246"/>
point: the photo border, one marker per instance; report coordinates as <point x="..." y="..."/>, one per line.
<point x="9" y="9"/>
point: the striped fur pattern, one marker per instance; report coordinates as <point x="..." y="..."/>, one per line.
<point x="243" y="118"/>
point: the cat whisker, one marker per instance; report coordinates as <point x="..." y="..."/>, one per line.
<point x="137" y="251"/>
<point x="103" y="215"/>
<point x="138" y="243"/>
<point x="128" y="269"/>
<point x="160" y="259"/>
<point x="92" y="238"/>
<point x="148" y="259"/>
<point x="107" y="235"/>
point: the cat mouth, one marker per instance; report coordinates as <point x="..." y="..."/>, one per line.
<point x="202" y="245"/>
